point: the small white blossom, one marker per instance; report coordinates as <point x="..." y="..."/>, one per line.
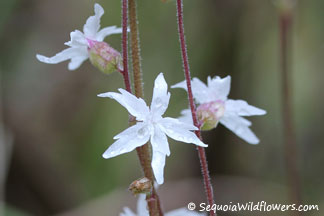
<point x="143" y="211"/>
<point x="212" y="98"/>
<point x="150" y="126"/>
<point x="81" y="41"/>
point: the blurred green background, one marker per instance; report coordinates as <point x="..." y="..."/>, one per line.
<point x="59" y="128"/>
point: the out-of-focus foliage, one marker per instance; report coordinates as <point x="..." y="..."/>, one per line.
<point x="61" y="128"/>
<point x="6" y="8"/>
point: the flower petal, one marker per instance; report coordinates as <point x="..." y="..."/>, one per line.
<point x="64" y="55"/>
<point x="242" y="108"/>
<point x="219" y="88"/>
<point x="158" y="163"/>
<point x="182" y="212"/>
<point x="127" y="212"/>
<point x="128" y="140"/>
<point x="161" y="97"/>
<point x="142" y="206"/>
<point x="240" y="126"/>
<point x="133" y="129"/>
<point x="180" y="131"/>
<point x="76" y="62"/>
<point x="135" y="106"/>
<point x="77" y="39"/>
<point x="159" y="141"/>
<point x="199" y="90"/>
<point x="182" y="85"/>
<point x="100" y="36"/>
<point x="186" y="116"/>
<point x="92" y="25"/>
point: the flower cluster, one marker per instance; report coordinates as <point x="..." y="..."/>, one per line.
<point x="213" y="107"/>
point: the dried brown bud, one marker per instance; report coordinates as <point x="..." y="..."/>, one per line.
<point x="142" y="185"/>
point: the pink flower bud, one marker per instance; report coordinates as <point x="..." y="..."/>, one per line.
<point x="104" y="57"/>
<point x="209" y="114"/>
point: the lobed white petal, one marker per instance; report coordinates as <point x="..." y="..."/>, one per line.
<point x="142" y="206"/>
<point x="242" y="108"/>
<point x="184" y="212"/>
<point x="240" y="126"/>
<point x="77" y="39"/>
<point x="76" y="62"/>
<point x="159" y="141"/>
<point x="133" y="129"/>
<point x="135" y="106"/>
<point x="130" y="139"/>
<point x="92" y="25"/>
<point x="100" y="36"/>
<point x="180" y="131"/>
<point x="76" y="54"/>
<point x="182" y="85"/>
<point x="158" y="163"/>
<point x="199" y="90"/>
<point x="161" y="97"/>
<point x="127" y="212"/>
<point x="186" y="116"/>
<point x="219" y="88"/>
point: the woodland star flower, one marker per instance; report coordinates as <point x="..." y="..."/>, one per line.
<point x="81" y="43"/>
<point x="214" y="107"/>
<point x="142" y="210"/>
<point x="150" y="126"/>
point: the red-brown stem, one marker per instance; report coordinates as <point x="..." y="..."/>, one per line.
<point x="201" y="150"/>
<point x="144" y="152"/>
<point x="290" y="145"/>
<point x="125" y="72"/>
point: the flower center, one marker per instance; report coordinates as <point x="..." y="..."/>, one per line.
<point x="91" y="43"/>
<point x="141" y="133"/>
<point x="209" y="114"/>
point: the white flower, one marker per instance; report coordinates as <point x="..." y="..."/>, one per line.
<point x="213" y="98"/>
<point x="150" y="126"/>
<point x="81" y="42"/>
<point x="142" y="210"/>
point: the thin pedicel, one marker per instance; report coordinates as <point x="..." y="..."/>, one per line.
<point x="125" y="72"/>
<point x="290" y="145"/>
<point x="201" y="150"/>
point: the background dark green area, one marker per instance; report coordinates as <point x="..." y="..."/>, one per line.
<point x="60" y="128"/>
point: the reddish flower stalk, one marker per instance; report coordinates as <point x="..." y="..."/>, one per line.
<point x="290" y="146"/>
<point x="201" y="150"/>
<point x="125" y="72"/>
<point x="143" y="152"/>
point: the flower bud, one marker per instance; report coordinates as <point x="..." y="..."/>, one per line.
<point x="104" y="57"/>
<point x="142" y="185"/>
<point x="209" y="114"/>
